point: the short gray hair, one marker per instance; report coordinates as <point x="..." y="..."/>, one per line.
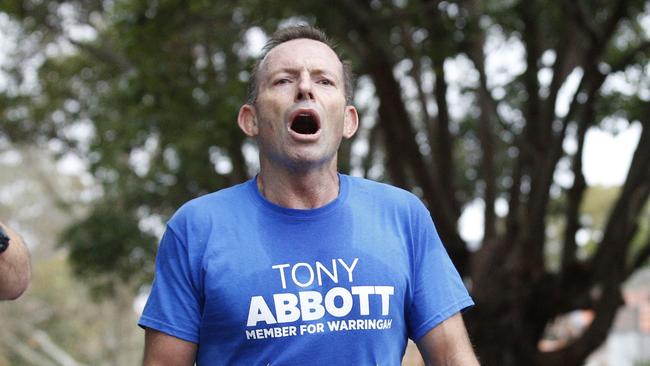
<point x="297" y="32"/>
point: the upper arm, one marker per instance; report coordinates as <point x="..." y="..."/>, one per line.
<point x="447" y="344"/>
<point x="15" y="269"/>
<point x="161" y="349"/>
<point x="174" y="304"/>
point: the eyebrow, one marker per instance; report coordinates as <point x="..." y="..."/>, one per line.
<point x="293" y="71"/>
<point x="337" y="80"/>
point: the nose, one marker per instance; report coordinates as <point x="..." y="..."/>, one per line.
<point x="304" y="91"/>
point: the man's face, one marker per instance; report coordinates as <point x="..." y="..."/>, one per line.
<point x="300" y="114"/>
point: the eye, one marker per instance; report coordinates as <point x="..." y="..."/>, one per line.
<point x="325" y="82"/>
<point x="281" y="81"/>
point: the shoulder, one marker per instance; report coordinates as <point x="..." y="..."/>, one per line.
<point x="223" y="197"/>
<point x="215" y="206"/>
<point x="383" y="194"/>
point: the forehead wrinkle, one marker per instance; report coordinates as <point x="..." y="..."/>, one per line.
<point x="264" y="63"/>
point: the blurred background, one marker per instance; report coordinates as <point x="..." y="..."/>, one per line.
<point x="524" y="126"/>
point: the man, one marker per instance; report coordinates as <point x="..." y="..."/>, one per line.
<point x="15" y="271"/>
<point x="303" y="265"/>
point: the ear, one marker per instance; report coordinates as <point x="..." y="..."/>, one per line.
<point x="247" y="120"/>
<point x="351" y="122"/>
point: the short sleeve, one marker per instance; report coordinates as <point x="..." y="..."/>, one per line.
<point x="438" y="290"/>
<point x="173" y="306"/>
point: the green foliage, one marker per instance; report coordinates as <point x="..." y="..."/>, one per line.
<point x="40" y="202"/>
<point x="109" y="243"/>
<point x="640" y="241"/>
<point x="159" y="88"/>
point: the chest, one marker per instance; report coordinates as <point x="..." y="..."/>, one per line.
<point x="298" y="278"/>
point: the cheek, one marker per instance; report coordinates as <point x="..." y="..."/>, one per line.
<point x="269" y="128"/>
<point x="337" y="115"/>
<point x="266" y="127"/>
<point x="269" y="115"/>
<point x="272" y="110"/>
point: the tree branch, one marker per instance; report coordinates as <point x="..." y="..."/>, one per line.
<point x="535" y="151"/>
<point x="596" y="333"/>
<point x="535" y="130"/>
<point x="514" y="201"/>
<point x="486" y="120"/>
<point x="566" y="59"/>
<point x="52" y="349"/>
<point x="611" y="23"/>
<point x="622" y="220"/>
<point x="103" y="54"/>
<point x="374" y="48"/>
<point x="443" y="139"/>
<point x="580" y="17"/>
<point x="373" y="142"/>
<point x="235" y="152"/>
<point x="641" y="258"/>
<point x="594" y="80"/>
<point x="402" y="144"/>
<point x="416" y="74"/>
<point x="576" y="193"/>
<point x="25" y="351"/>
<point x="629" y="56"/>
<point x="400" y="137"/>
<point x="41" y="339"/>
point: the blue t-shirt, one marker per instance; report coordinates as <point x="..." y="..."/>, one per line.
<point x="253" y="283"/>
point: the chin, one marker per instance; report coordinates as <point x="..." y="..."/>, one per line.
<point x="307" y="162"/>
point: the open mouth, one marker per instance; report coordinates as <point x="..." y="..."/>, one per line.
<point x="305" y="123"/>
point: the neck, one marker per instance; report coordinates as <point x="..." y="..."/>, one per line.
<point x="299" y="190"/>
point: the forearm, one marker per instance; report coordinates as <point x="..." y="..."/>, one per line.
<point x="448" y="345"/>
<point x="161" y="349"/>
<point x="464" y="357"/>
<point x="15" y="269"/>
<point x="467" y="358"/>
